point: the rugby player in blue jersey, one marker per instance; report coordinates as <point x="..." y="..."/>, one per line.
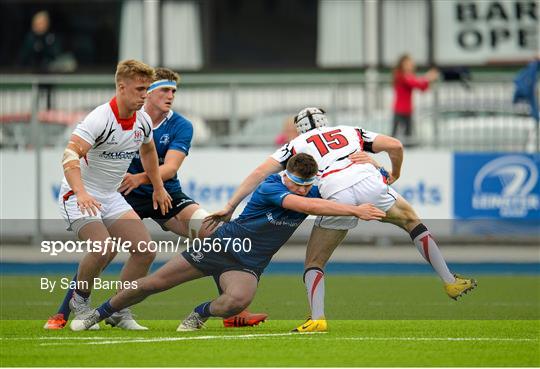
<point x="172" y="135"/>
<point x="276" y="209"/>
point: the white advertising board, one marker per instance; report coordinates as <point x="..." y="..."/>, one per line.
<point x="483" y="31"/>
<point x="211" y="176"/>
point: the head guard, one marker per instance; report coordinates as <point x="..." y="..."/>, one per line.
<point x="310" y="118"/>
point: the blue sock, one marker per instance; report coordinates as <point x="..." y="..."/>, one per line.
<point x="203" y="310"/>
<point x="106" y="310"/>
<point x="64" y="308"/>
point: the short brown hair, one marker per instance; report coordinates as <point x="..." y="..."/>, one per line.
<point x="129" y="69"/>
<point x="303" y="165"/>
<point x="168" y="74"/>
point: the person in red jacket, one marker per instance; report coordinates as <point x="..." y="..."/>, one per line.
<point x="405" y="81"/>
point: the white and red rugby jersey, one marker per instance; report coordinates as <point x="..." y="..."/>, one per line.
<point x="331" y="146"/>
<point x="115" y="142"/>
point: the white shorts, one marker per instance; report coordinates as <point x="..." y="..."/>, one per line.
<point x="113" y="206"/>
<point x="370" y="190"/>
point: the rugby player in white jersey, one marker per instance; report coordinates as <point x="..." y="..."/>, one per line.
<point x="95" y="161"/>
<point x="346" y="177"/>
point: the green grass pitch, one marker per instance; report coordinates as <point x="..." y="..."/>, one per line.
<point x="373" y="321"/>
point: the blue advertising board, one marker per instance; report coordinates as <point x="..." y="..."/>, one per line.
<point x="496" y="186"/>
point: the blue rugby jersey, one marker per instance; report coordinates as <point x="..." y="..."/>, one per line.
<point x="174" y="133"/>
<point x="265" y="222"/>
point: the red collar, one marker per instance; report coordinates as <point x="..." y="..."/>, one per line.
<point x="127" y="123"/>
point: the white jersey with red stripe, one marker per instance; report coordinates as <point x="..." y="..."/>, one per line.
<point x="115" y="142"/>
<point x="331" y="146"/>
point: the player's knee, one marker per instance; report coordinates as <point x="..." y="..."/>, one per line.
<point x="151" y="285"/>
<point x="100" y="260"/>
<point x="235" y="304"/>
<point x="196" y="227"/>
<point x="144" y="257"/>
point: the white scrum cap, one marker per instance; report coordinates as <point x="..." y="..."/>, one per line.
<point x="310" y="118"/>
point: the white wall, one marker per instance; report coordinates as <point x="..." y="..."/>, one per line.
<point x="211" y="175"/>
<point x="404" y="30"/>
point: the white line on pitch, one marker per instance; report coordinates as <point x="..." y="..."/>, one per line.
<point x="58" y="338"/>
<point x="113" y="340"/>
<point x="435" y="339"/>
<point x="295" y="336"/>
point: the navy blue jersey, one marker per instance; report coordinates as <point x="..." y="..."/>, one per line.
<point x="174" y="133"/>
<point x="265" y="222"/>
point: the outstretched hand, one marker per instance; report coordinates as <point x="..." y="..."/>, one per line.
<point x="361" y="157"/>
<point x="369" y="212"/>
<point x="217" y="217"/>
<point x="129" y="183"/>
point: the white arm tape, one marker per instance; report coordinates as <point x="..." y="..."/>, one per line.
<point x="69" y="155"/>
<point x="195" y="222"/>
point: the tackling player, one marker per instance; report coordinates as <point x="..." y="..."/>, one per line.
<point x="95" y="161"/>
<point x="344" y="181"/>
<point x="274" y="212"/>
<point x="172" y="136"/>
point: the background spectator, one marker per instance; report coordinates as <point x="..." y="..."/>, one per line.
<point x="40" y="47"/>
<point x="405" y="81"/>
<point x="288" y="133"/>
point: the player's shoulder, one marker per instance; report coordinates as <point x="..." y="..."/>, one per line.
<point x="179" y="120"/>
<point x="143" y="117"/>
<point x="344" y="128"/>
<point x="273" y="179"/>
<point x="145" y="121"/>
<point x="272" y="183"/>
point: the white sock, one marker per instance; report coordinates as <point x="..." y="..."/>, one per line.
<point x="78" y="298"/>
<point x="428" y="248"/>
<point x="314" y="280"/>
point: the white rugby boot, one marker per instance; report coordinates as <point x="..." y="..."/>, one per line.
<point x="124" y="319"/>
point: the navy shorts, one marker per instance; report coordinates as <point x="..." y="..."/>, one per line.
<point x="216" y="263"/>
<point x="144" y="207"/>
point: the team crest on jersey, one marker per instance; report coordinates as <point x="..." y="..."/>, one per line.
<point x="138" y="136"/>
<point x="164" y="140"/>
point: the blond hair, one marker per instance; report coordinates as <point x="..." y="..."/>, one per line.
<point x="168" y="74"/>
<point x="130" y="69"/>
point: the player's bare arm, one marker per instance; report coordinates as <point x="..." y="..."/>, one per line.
<point x="394" y="149"/>
<point x="324" y="207"/>
<point x="171" y="165"/>
<point x="149" y="161"/>
<point x="76" y="149"/>
<point x="268" y="167"/>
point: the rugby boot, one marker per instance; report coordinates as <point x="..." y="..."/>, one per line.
<point x="80" y="307"/>
<point x="193" y="322"/>
<point x="55" y="322"/>
<point x="124" y="319"/>
<point x="245" y="319"/>
<point x="461" y="286"/>
<point x="85" y="321"/>
<point x="311" y="325"/>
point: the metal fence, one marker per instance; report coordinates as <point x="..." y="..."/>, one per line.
<point x="233" y="110"/>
